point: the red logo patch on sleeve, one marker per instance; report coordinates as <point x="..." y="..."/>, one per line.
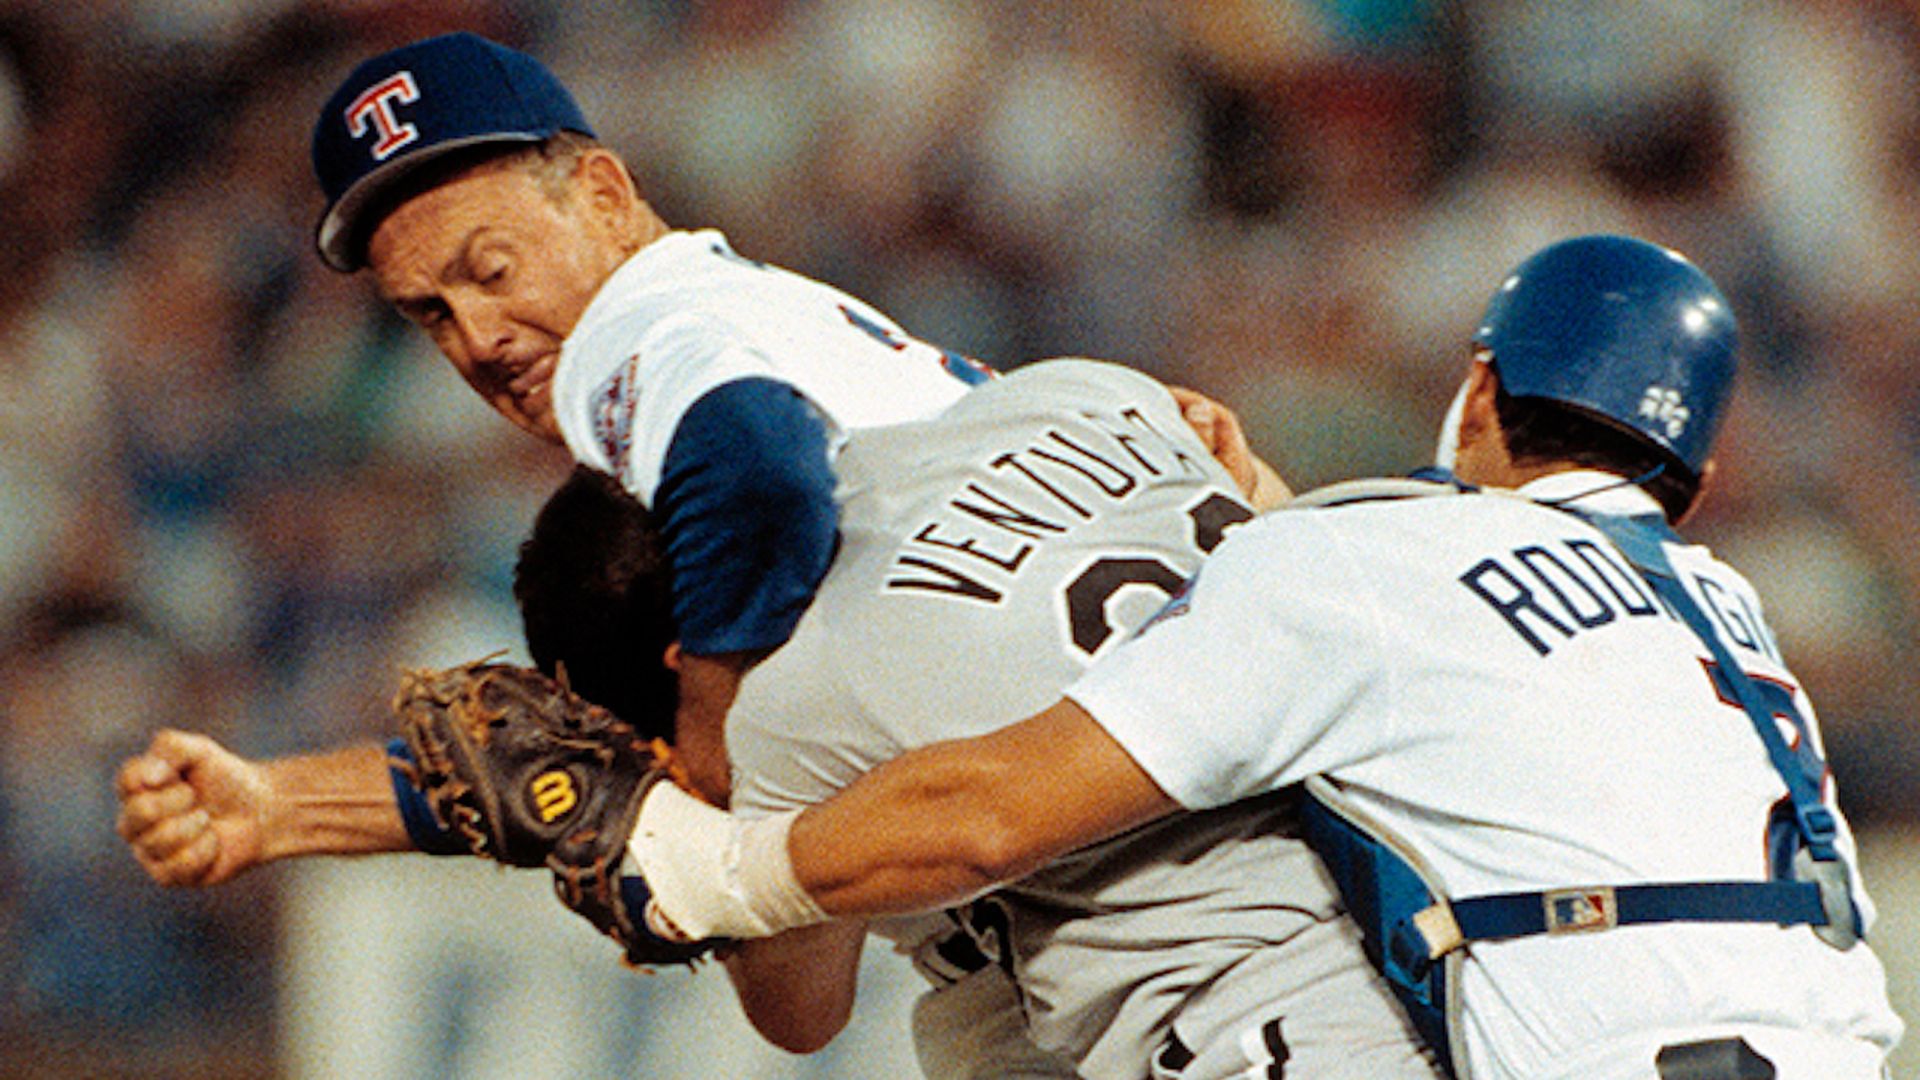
<point x="613" y="405"/>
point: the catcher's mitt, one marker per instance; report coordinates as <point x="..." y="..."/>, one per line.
<point x="528" y="773"/>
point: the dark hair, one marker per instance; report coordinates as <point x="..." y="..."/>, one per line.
<point x="1542" y="430"/>
<point x="595" y="596"/>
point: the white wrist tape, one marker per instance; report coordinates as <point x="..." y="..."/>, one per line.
<point x="714" y="875"/>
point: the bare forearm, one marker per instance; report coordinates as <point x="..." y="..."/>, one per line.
<point x="952" y="820"/>
<point x="797" y="988"/>
<point x="929" y="830"/>
<point x="335" y="803"/>
<point x="708" y="685"/>
<point x="195" y="813"/>
<point x="933" y="827"/>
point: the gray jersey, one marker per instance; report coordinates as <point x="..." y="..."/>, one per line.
<point x="987" y="556"/>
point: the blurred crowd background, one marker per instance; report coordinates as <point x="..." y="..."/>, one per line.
<point x="236" y="495"/>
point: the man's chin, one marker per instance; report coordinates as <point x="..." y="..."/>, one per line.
<point x="538" y="422"/>
<point x="544" y="427"/>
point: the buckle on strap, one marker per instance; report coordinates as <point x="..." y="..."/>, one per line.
<point x="1842" y="927"/>
<point x="1423" y="937"/>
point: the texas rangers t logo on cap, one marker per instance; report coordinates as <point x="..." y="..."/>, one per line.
<point x="376" y="104"/>
<point x="460" y="92"/>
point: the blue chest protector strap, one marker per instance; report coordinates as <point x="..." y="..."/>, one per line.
<point x="1817" y="860"/>
<point x="1415" y="934"/>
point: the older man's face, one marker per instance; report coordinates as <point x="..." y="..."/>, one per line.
<point x="498" y="273"/>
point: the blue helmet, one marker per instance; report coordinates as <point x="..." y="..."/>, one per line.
<point x="1626" y="330"/>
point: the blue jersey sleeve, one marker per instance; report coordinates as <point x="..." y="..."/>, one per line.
<point x="745" y="504"/>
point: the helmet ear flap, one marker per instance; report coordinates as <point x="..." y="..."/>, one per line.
<point x="1621" y="328"/>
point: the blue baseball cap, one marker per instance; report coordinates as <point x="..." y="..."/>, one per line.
<point x="406" y="108"/>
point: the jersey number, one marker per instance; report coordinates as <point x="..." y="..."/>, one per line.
<point x="1783" y="835"/>
<point x="1090" y="624"/>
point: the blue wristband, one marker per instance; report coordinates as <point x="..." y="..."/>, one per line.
<point x="422" y="827"/>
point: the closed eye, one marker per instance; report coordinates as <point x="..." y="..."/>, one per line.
<point x="425" y="313"/>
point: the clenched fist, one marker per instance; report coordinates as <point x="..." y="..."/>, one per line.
<point x="191" y="810"/>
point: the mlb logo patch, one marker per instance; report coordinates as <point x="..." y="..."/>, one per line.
<point x="1572" y="911"/>
<point x="613" y="404"/>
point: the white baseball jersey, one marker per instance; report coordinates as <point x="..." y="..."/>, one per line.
<point x="987" y="557"/>
<point x="1484" y="676"/>
<point x="686" y="314"/>
<point x="718" y="390"/>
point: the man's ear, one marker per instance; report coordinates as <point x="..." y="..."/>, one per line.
<point x="606" y="186"/>
<point x="672" y="657"/>
<point x="1480" y="455"/>
<point x="1479" y="410"/>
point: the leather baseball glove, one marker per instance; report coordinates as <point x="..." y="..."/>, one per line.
<point x="530" y="774"/>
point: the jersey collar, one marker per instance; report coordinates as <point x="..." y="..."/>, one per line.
<point x="655" y="259"/>
<point x="1592" y="491"/>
